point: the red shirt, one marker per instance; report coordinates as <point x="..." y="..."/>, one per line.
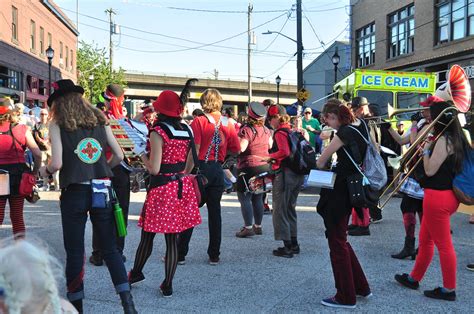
<point x="280" y="141"/>
<point x="203" y="131"/>
<point x="12" y="152"/>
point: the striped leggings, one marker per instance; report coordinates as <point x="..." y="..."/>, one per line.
<point x="16" y="213"/>
<point x="144" y="251"/>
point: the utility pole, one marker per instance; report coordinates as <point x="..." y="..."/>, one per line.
<point x="299" y="52"/>
<point x="111" y="32"/>
<point x="249" y="52"/>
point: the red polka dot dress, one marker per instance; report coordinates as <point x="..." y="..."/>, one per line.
<point x="163" y="211"/>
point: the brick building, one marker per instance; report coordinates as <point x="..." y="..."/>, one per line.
<point x="423" y="35"/>
<point x="27" y="29"/>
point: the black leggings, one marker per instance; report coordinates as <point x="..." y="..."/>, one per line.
<point x="144" y="251"/>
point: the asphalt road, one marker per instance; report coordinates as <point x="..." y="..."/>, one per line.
<point x="249" y="278"/>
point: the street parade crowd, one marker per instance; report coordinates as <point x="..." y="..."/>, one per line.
<point x="190" y="160"/>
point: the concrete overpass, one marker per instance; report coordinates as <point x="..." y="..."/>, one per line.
<point x="141" y="86"/>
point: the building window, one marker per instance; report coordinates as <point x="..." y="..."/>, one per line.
<point x="33" y="36"/>
<point x="14" y="23"/>
<point x="365" y="39"/>
<point x="14" y="79"/>
<point x="71" y="61"/>
<point x="401" y="29"/>
<point x="41" y="40"/>
<point x="60" y="50"/>
<point x="50" y="40"/>
<point x="67" y="57"/>
<point x="455" y="20"/>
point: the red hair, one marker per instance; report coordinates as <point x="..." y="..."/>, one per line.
<point x="336" y="107"/>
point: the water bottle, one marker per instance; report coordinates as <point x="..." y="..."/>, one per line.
<point x="119" y="220"/>
<point x="118" y="213"/>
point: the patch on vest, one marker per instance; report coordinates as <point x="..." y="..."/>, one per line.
<point x="88" y="150"/>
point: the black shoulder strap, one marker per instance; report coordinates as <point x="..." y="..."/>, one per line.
<point x="193" y="149"/>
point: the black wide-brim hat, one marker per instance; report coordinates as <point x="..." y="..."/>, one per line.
<point x="63" y="87"/>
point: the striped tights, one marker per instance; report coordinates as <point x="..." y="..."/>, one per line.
<point x="144" y="251"/>
<point x="16" y="213"/>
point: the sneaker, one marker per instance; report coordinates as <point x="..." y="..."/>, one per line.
<point x="257" y="230"/>
<point x="332" y="302"/>
<point x="134" y="278"/>
<point x="245" y="232"/>
<point x="439" y="294"/>
<point x="359" y="231"/>
<point x="283" y="252"/>
<point x="167" y="292"/>
<point x="181" y="261"/>
<point x="470" y="267"/>
<point x="376" y="220"/>
<point x="406" y="281"/>
<point x="366" y="295"/>
<point x="96" y="260"/>
<point x="214" y="261"/>
<point x="295" y="249"/>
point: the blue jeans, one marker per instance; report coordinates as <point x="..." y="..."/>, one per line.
<point x="76" y="201"/>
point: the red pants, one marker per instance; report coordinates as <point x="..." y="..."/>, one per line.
<point x="348" y="274"/>
<point x="438" y="206"/>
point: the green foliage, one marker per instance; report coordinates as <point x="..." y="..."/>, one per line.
<point x="92" y="60"/>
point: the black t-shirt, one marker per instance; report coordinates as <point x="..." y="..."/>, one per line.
<point x="354" y="144"/>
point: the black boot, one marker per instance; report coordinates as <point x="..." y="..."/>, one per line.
<point x="78" y="305"/>
<point x="127" y="303"/>
<point x="408" y="249"/>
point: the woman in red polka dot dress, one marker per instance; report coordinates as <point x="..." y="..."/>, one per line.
<point x="171" y="204"/>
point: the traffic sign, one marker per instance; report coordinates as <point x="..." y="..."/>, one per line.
<point x="302" y="95"/>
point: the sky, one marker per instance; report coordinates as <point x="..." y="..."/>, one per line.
<point x="197" y="37"/>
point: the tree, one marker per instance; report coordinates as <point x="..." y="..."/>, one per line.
<point x="93" y="60"/>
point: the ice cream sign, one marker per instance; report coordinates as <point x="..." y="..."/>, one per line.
<point x="378" y="80"/>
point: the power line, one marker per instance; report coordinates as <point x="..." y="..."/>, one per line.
<point x="201" y="45"/>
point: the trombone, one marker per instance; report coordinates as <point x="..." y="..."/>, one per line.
<point x="392" y="112"/>
<point x="414" y="152"/>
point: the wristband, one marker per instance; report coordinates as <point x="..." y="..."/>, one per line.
<point x="426" y="152"/>
<point x="414" y="129"/>
<point x="47" y="171"/>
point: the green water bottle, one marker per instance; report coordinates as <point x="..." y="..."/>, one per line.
<point x="119" y="220"/>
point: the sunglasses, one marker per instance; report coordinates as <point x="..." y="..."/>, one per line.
<point x="307" y="113"/>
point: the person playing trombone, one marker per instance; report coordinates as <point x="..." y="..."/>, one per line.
<point x="442" y="160"/>
<point x="412" y="193"/>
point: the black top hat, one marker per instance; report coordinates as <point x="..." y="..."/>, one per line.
<point x="359" y="102"/>
<point x="257" y="110"/>
<point x="63" y="87"/>
<point x="113" y="90"/>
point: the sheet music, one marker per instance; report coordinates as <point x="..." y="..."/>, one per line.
<point x="320" y="178"/>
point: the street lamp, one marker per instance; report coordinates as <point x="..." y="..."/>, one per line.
<point x="50" y="56"/>
<point x="91" y="85"/>
<point x="335" y="60"/>
<point x="299" y="61"/>
<point x="278" y="81"/>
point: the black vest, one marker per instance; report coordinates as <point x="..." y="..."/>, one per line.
<point x="84" y="156"/>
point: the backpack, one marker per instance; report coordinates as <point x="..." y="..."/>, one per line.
<point x="463" y="187"/>
<point x="373" y="165"/>
<point x="302" y="157"/>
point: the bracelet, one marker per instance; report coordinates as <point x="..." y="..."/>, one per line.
<point x="47" y="171"/>
<point x="414" y="129"/>
<point x="426" y="152"/>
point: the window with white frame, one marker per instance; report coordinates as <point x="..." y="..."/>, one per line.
<point x="401" y="29"/>
<point x="455" y="20"/>
<point x="365" y="39"/>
